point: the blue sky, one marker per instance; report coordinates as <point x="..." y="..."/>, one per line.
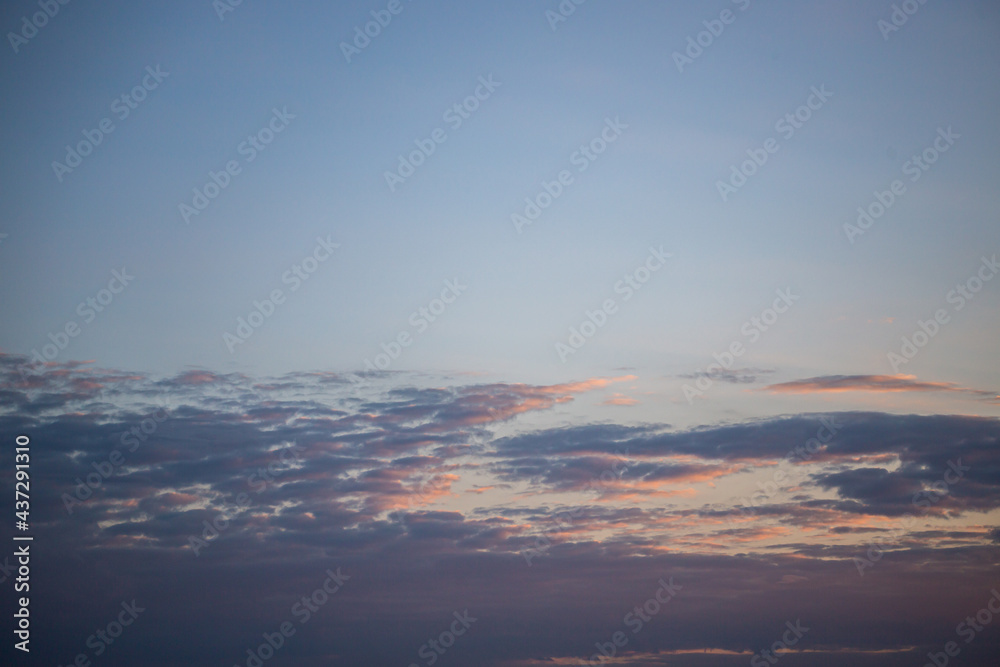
<point x="869" y="101"/>
<point x="656" y="185"/>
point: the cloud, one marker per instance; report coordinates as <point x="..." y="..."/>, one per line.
<point x="370" y="478"/>
<point x="620" y="399"/>
<point x="732" y="375"/>
<point x="873" y="383"/>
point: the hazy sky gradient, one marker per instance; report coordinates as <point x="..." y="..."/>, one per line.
<point x="429" y="480"/>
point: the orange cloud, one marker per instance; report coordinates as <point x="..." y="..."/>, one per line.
<point x="496" y="403"/>
<point x="416" y="495"/>
<point x="874" y="383"/>
<point x="585" y="385"/>
<point x="620" y="399"/>
<point x="196" y="377"/>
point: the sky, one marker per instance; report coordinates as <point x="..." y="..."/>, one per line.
<point x="527" y="312"/>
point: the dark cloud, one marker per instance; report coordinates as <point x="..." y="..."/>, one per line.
<point x="334" y="474"/>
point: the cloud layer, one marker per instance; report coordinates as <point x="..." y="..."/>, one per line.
<point x="216" y="501"/>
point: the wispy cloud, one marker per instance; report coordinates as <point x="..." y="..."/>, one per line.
<point x="620" y="399"/>
<point x="872" y="383"/>
<point x="731" y="375"/>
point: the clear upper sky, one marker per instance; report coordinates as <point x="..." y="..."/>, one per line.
<point x="654" y="185"/>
